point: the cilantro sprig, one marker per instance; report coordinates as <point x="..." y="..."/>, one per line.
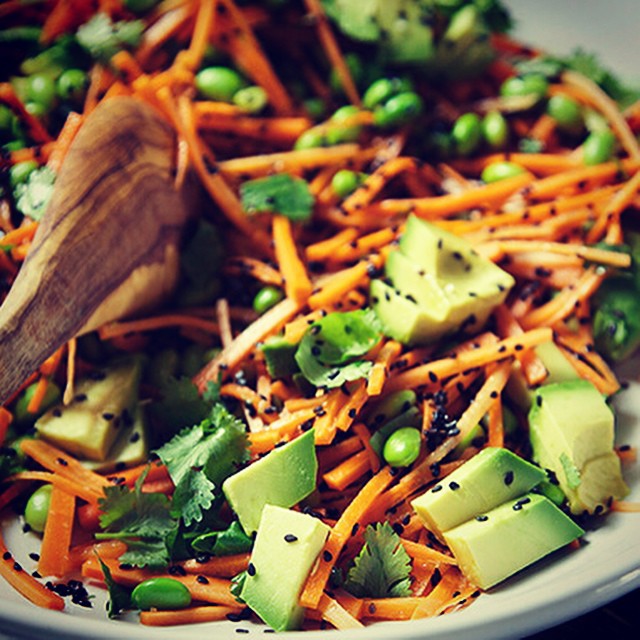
<point x="281" y="193"/>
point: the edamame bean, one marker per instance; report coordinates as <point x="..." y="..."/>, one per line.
<point x="398" y="110"/>
<point x="266" y="298"/>
<point x="309" y="139"/>
<point x="251" y="99"/>
<point x="466" y="133"/>
<point x="495" y="129"/>
<point x="383" y="89"/>
<point x="161" y="593"/>
<point x="530" y="84"/>
<point x="35" y="109"/>
<point x="71" y="84"/>
<point x="500" y="170"/>
<point x="598" y="147"/>
<point x="345" y="182"/>
<point x="37" y="508"/>
<point x="219" y="83"/>
<point x="402" y="447"/>
<point x="340" y="132"/>
<point x="566" y="112"/>
<point x="41" y="89"/>
<point x="20" y="172"/>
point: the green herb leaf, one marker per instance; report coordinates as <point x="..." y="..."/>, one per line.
<point x="327" y="354"/>
<point x="119" y="596"/>
<point x="32" y="196"/>
<point x="146" y="552"/>
<point x="382" y="569"/>
<point x="280" y="193"/>
<point x="229" y="541"/>
<point x="103" y="38"/>
<point x="200" y="458"/>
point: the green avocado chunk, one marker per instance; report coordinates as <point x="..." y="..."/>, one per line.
<point x="284" y="477"/>
<point x="103" y="405"/>
<point x="286" y="548"/>
<point x="491" y="477"/>
<point x="571" y="429"/>
<point x="504" y="540"/>
<point x="435" y="285"/>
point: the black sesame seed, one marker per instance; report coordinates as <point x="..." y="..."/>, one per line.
<point x="251" y="569"/>
<point x="6" y="555"/>
<point x="327" y="556"/>
<point x="62" y="462"/>
<point x="508" y="478"/>
<point x="482" y="518"/>
<point x="453" y="485"/>
<point x="290" y="537"/>
<point x="437" y="488"/>
<point x="202" y="579"/>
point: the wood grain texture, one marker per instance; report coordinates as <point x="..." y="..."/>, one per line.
<point x="108" y="244"/>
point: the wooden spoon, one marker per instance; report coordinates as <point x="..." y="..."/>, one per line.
<point x="108" y="244"/>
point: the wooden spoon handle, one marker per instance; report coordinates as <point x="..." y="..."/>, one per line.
<point x="108" y="243"/>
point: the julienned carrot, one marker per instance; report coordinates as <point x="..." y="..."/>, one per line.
<point x="56" y="539"/>
<point x="23" y="233"/>
<point x="325" y="249"/>
<point x="38" y="396"/>
<point x="363" y="245"/>
<point x="283" y="429"/>
<point x="452" y="588"/>
<point x="214" y="590"/>
<point x="78" y="554"/>
<point x="6" y="418"/>
<point x="389" y="352"/>
<point x="72" y="487"/>
<point x="362" y="431"/>
<point x="153" y="470"/>
<point x="334" y="613"/>
<point x="190" y="615"/>
<point x="436" y="370"/>
<point x="329" y="457"/>
<point x="65" y="138"/>
<point x="442" y="206"/>
<point x="348" y="471"/>
<point x="317" y="580"/>
<point x="268" y="323"/>
<point x="422" y="554"/>
<point x="625" y="506"/>
<point x="294" y="274"/>
<point x="220" y="566"/>
<point x="25" y="583"/>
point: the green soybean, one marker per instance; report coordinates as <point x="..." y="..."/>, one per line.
<point x="41" y="89"/>
<point x="383" y="89"/>
<point x="501" y="170"/>
<point x="598" y="147"/>
<point x="37" y="508"/>
<point x="531" y="84"/>
<point x="466" y="133"/>
<point x="345" y="182"/>
<point x="566" y="112"/>
<point x="71" y="84"/>
<point x="219" y="83"/>
<point x="402" y="447"/>
<point x="161" y="593"/>
<point x="251" y="99"/>
<point x="495" y="129"/>
<point x="310" y="139"/>
<point x="266" y="298"/>
<point x="338" y="132"/>
<point x="20" y="172"/>
<point x="398" y="110"/>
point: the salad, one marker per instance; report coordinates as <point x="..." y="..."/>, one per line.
<point x="388" y="364"/>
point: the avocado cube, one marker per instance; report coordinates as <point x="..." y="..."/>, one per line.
<point x="101" y="407"/>
<point x="571" y="429"/>
<point x="286" y="548"/>
<point x="501" y="542"/>
<point x="284" y="477"/>
<point x="493" y="476"/>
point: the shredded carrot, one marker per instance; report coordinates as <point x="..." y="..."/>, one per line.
<point x="25" y="583"/>
<point x="190" y="615"/>
<point x="348" y="471"/>
<point x="119" y="328"/>
<point x="56" y="539"/>
<point x="221" y="566"/>
<point x="334" y="613"/>
<point x="294" y="274"/>
<point x="6" y="418"/>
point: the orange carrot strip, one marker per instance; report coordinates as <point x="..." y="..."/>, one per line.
<point x="24" y="233"/>
<point x="192" y="57"/>
<point x="104" y="549"/>
<point x="190" y="615"/>
<point x="66" y="136"/>
<point x="446" y="367"/>
<point x="334" y="613"/>
<point x="61" y="463"/>
<point x="154" y="471"/>
<point x="282" y="429"/>
<point x="338" y="284"/>
<point x="389" y="352"/>
<point x="38" y="395"/>
<point x="452" y="588"/>
<point x="296" y="281"/>
<point x="215" y="591"/>
<point x="317" y="580"/>
<point x="268" y="323"/>
<point x="495" y="428"/>
<point x="348" y="471"/>
<point x="56" y="539"/>
<point x="118" y="328"/>
<point x="442" y="206"/>
<point x="220" y="566"/>
<point x="6" y="418"/>
<point x="625" y="506"/>
<point x="329" y="457"/>
<point x="71" y="487"/>
<point x="364" y="245"/>
<point x="325" y="249"/>
<point x="424" y="555"/>
<point x="390" y="608"/>
<point x="25" y="583"/>
<point x="362" y="431"/>
<point x="257" y="269"/>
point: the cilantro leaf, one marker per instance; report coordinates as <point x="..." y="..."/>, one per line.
<point x="119" y="596"/>
<point x="327" y="354"/>
<point x="200" y="458"/>
<point x="382" y="569"/>
<point x="146" y="552"/>
<point x="280" y="193"/>
<point x="32" y="196"/>
<point x="229" y="541"/>
<point x="103" y="38"/>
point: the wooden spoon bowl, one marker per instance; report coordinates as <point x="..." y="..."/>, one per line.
<point x="108" y="244"/>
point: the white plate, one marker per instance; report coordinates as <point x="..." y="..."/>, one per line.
<point x="558" y="588"/>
